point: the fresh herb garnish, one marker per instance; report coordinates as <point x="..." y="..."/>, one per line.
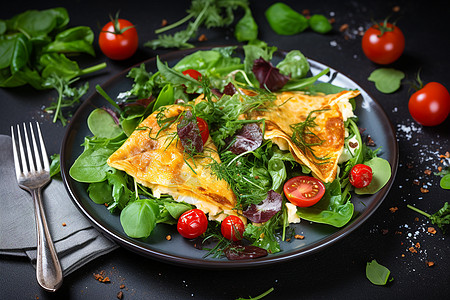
<point x="305" y="138"/>
<point x="441" y="218"/>
<point x="259" y="296"/>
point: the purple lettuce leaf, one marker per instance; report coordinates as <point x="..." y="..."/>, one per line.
<point x="267" y="209"/>
<point x="268" y="75"/>
<point x="189" y="134"/>
<point x="238" y="252"/>
<point x="248" y="138"/>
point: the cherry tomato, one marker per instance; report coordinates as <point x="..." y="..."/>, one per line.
<point x="192" y="73"/>
<point x="192" y="223"/>
<point x="383" y="43"/>
<point x="430" y="105"/>
<point x="204" y="131"/>
<point x="360" y="176"/>
<point x="232" y="228"/>
<point x="118" y="39"/>
<point x="304" y="191"/>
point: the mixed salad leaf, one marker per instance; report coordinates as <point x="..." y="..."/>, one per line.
<point x="254" y="168"/>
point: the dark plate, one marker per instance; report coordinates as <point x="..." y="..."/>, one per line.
<point x="180" y="250"/>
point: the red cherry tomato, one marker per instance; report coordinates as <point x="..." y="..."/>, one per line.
<point x="383" y="43"/>
<point x="232" y="228"/>
<point x="360" y="176"/>
<point x="430" y="105"/>
<point x="117" y="41"/>
<point x="204" y="131"/>
<point x="192" y="223"/>
<point x="304" y="191"/>
<point x="192" y="73"/>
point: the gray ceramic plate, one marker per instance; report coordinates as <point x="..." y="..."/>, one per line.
<point x="180" y="250"/>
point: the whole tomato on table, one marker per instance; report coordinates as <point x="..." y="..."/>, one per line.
<point x="118" y="39"/>
<point x="430" y="105"/>
<point x="383" y="43"/>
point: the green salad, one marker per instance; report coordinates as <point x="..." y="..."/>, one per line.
<point x="272" y="187"/>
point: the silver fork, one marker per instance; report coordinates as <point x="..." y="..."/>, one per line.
<point x="32" y="177"/>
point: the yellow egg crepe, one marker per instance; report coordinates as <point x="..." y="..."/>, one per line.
<point x="156" y="159"/>
<point x="322" y="141"/>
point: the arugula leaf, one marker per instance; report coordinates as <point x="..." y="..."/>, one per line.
<point x="441" y="218"/>
<point x="210" y="13"/>
<point x="259" y="296"/>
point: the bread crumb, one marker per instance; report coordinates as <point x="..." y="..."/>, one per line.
<point x="396" y="8"/>
<point x="202" y="38"/>
<point x="120" y="295"/>
<point x="424" y="190"/>
<point x="299" y="237"/>
<point x="412" y="250"/>
<point x="168" y="237"/>
<point x="427" y="172"/>
<point x="431" y="230"/>
<point x="64" y="224"/>
<point x="164" y="22"/>
<point x="393" y="209"/>
<point x="429" y="263"/>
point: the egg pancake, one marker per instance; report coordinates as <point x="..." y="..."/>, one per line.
<point x="319" y="144"/>
<point x="154" y="156"/>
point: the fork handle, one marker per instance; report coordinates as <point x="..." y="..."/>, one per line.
<point x="48" y="268"/>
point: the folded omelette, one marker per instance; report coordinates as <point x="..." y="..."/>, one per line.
<point x="154" y="157"/>
<point x="325" y="138"/>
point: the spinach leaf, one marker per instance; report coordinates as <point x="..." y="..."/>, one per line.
<point x="387" y="80"/>
<point x="376" y="273"/>
<point x="331" y="209"/>
<point x="138" y="219"/>
<point x="55" y="165"/>
<point x="102" y="125"/>
<point x="15" y="51"/>
<point x="176" y="209"/>
<point x="91" y="165"/>
<point x="284" y="20"/>
<point x="381" y="170"/>
<point x="246" y="29"/>
<point x="121" y="194"/>
<point x="100" y="192"/>
<point x="320" y="24"/>
<point x="445" y="182"/>
<point x="77" y="39"/>
<point x="294" y="64"/>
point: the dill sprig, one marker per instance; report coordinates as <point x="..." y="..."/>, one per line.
<point x="305" y="139"/>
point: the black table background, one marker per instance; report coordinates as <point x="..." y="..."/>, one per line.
<point x="337" y="272"/>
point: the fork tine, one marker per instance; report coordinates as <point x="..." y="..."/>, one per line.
<point x="22" y="153"/>
<point x="36" y="151"/>
<point x="29" y="153"/>
<point x="16" y="158"/>
<point x="44" y="152"/>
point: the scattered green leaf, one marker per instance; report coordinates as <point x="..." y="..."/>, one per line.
<point x="376" y="273"/>
<point x="387" y="80"/>
<point x="441" y="218"/>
